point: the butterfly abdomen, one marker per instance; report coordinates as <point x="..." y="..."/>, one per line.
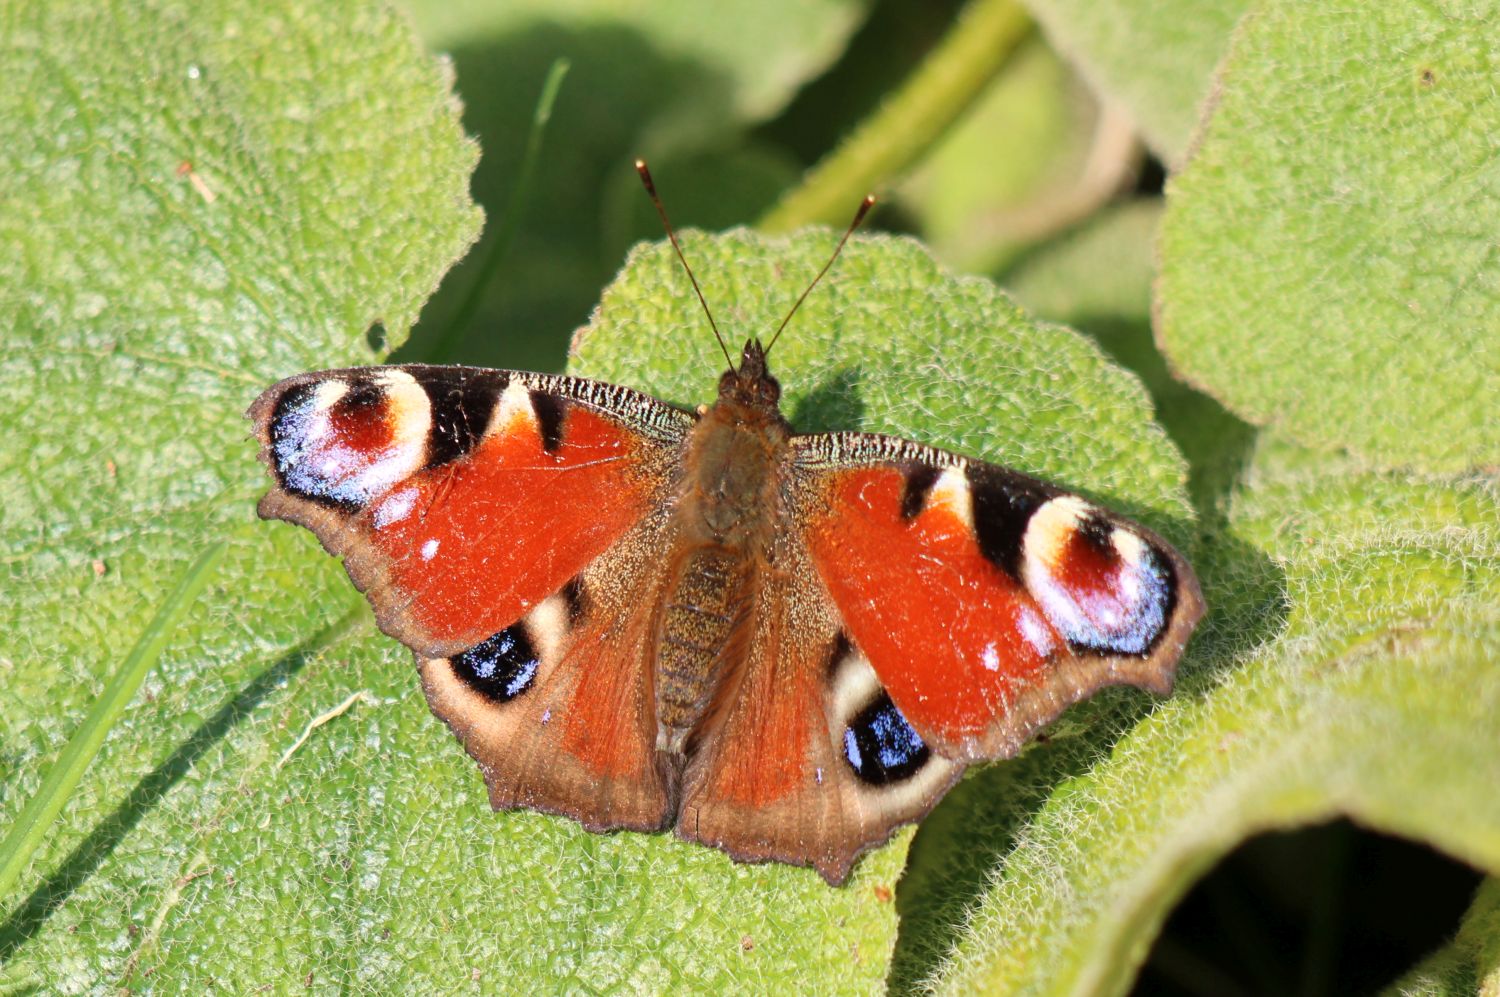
<point x="733" y="458"/>
<point x="697" y="639"/>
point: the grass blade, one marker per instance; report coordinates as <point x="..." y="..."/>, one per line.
<point x="442" y="350"/>
<point x="42" y="809"/>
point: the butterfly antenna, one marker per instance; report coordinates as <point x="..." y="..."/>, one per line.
<point x="859" y="216"/>
<point x="640" y="167"/>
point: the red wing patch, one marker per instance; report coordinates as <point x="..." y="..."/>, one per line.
<point x="477" y="543"/>
<point x="461" y="498"/>
<point x="953" y="637"/>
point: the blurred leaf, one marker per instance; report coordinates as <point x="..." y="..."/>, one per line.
<point x="716" y="188"/>
<point x="672" y="82"/>
<point x="1098" y="278"/>
<point x="1372" y="701"/>
<point x="763" y="51"/>
<point x="1098" y="273"/>
<point x="879" y="151"/>
<point x="1328" y="256"/>
<point x="1155" y="57"/>
<point x="1031" y="157"/>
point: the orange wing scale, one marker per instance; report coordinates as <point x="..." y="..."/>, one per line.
<point x="953" y="637"/>
<point x="476" y="544"/>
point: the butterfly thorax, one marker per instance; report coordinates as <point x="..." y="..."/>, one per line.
<point x="728" y="507"/>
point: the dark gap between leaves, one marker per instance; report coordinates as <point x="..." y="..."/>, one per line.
<point x="1332" y="909"/>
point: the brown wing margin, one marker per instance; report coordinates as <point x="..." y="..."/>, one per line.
<point x="559" y="708"/>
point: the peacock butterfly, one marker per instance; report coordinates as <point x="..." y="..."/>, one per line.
<point x="780" y="645"/>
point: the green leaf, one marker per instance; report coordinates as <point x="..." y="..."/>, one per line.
<point x="1064" y="155"/>
<point x="1156" y="57"/>
<point x="194" y="203"/>
<point x="1347" y="667"/>
<point x="1328" y="253"/>
<point x="669" y="81"/>
<point x="754" y="57"/>
<point x="1098" y="278"/>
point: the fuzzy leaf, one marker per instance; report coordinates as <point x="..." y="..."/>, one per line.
<point x="1347" y="668"/>
<point x="1098" y="279"/>
<point x="1157" y="57"/>
<point x="1328" y="254"/>
<point x="195" y="201"/>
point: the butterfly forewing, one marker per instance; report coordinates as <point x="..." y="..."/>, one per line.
<point x="459" y="497"/>
<point x="986" y="601"/>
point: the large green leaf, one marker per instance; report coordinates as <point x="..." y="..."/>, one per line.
<point x="195" y="200"/>
<point x="1328" y="254"/>
<point x="1347" y="668"/>
<point x="1156" y="56"/>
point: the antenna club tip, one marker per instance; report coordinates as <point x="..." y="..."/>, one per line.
<point x="645" y="174"/>
<point x="864" y="209"/>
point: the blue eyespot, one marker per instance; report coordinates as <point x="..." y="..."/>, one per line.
<point x="501" y="668"/>
<point x="880" y="746"/>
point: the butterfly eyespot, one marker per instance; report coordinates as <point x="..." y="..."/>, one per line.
<point x="500" y="668"/>
<point x="880" y="746"/>
<point x="341" y="443"/>
<point x="1104" y="588"/>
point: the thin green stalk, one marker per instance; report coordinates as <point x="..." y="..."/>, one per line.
<point x="62" y="778"/>
<point x="510" y="219"/>
<point x="950" y="79"/>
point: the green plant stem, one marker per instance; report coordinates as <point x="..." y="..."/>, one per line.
<point x="510" y="220"/>
<point x="950" y="79"/>
<point x="62" y="778"/>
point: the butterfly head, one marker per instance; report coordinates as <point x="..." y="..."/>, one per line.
<point x="751" y="383"/>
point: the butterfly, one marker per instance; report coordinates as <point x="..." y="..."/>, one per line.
<point x="780" y="645"/>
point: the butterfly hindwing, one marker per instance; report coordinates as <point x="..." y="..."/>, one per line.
<point x="985" y="600"/>
<point x="806" y="760"/>
<point x="558" y="708"/>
